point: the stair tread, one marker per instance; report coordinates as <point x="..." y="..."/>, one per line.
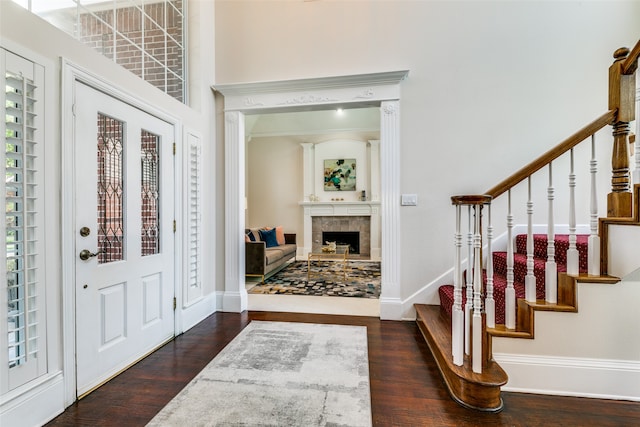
<point x="440" y="330"/>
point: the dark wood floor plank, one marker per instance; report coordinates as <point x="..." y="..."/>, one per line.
<point x="406" y="387"/>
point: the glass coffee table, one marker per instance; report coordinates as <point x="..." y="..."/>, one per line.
<point x="340" y="254"/>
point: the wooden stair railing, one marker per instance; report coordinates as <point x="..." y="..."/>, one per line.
<point x="465" y="357"/>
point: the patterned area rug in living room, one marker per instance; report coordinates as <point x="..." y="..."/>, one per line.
<point x="326" y="279"/>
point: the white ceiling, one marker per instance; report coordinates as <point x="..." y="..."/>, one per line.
<point x="313" y="126"/>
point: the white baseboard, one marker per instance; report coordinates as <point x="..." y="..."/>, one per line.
<point x="198" y="311"/>
<point x="391" y="309"/>
<point x="235" y="301"/>
<point x="594" y="378"/>
<point x="36" y="405"/>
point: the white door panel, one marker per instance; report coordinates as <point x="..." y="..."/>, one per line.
<point x="124" y="219"/>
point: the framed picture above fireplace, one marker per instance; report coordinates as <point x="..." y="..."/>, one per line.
<point x="340" y="175"/>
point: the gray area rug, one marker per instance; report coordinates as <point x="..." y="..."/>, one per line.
<point x="280" y="374"/>
<point x="326" y="279"/>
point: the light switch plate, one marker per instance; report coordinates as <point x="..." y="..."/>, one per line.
<point x="409" y="200"/>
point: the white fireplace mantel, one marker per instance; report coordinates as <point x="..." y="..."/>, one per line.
<point x="341" y="208"/>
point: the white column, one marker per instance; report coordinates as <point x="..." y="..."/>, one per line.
<point x="373" y="192"/>
<point x="376" y="250"/>
<point x="235" y="297"/>
<point x="572" y="252"/>
<point x="308" y="170"/>
<point x="551" y="267"/>
<point x="594" y="239"/>
<point x="309" y="188"/>
<point x="390" y="300"/>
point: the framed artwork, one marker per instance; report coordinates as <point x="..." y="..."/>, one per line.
<point x="340" y="175"/>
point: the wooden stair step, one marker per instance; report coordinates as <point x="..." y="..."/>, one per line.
<point x="476" y="391"/>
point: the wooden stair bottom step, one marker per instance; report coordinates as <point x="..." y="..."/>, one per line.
<point x="471" y="390"/>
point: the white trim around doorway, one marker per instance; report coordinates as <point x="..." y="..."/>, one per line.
<point x="364" y="90"/>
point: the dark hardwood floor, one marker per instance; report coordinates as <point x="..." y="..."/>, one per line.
<point x="406" y="387"/>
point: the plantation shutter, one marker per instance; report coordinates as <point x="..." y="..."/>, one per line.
<point x="24" y="355"/>
<point x="194" y="219"/>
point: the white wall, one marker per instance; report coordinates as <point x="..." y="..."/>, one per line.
<point x="274" y="184"/>
<point x="491" y="86"/>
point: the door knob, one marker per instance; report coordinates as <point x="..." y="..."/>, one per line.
<point x="85" y="254"/>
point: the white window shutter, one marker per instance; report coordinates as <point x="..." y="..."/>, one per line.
<point x="194" y="219"/>
<point x="22" y="312"/>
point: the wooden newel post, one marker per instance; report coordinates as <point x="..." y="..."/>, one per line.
<point x="621" y="98"/>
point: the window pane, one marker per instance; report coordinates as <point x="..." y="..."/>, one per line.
<point x="96" y="30"/>
<point x="110" y="189"/>
<point x="150" y="192"/>
<point x="145" y="37"/>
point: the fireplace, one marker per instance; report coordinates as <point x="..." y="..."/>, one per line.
<point x="354" y="230"/>
<point x="343" y="238"/>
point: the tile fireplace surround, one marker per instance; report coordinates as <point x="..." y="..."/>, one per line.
<point x="361" y="224"/>
<point x="363" y="217"/>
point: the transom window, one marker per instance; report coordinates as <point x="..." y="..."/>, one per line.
<point x="143" y="36"/>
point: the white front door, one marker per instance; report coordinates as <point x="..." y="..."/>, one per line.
<point x="124" y="211"/>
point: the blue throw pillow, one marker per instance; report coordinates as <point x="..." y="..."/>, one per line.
<point x="269" y="237"/>
<point x="251" y="236"/>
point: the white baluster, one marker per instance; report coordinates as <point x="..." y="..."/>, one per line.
<point x="594" y="239"/>
<point x="530" y="279"/>
<point x="457" y="320"/>
<point x="469" y="283"/>
<point x="490" y="304"/>
<point x="572" y="253"/>
<point x="550" y="267"/>
<point x="476" y="358"/>
<point x="510" y="291"/>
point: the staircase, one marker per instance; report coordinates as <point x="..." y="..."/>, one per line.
<point x="520" y="270"/>
<point x="499" y="297"/>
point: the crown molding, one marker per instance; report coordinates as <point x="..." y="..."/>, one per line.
<point x="311" y="84"/>
<point x="354" y="91"/>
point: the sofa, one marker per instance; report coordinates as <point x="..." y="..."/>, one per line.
<point x="267" y="250"/>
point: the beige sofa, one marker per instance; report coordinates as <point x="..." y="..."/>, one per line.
<point x="263" y="261"/>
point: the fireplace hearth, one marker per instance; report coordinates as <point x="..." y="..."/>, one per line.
<point x="343" y="238"/>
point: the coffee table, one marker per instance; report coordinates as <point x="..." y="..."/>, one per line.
<point x="340" y="254"/>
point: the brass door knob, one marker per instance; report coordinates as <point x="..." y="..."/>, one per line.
<point x="85" y="254"/>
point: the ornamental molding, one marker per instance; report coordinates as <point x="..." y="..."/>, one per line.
<point x="250" y="102"/>
<point x="389" y="108"/>
<point x="366" y="94"/>
<point x="308" y="99"/>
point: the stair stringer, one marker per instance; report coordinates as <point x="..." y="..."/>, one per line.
<point x="591" y="353"/>
<point x="594" y="353"/>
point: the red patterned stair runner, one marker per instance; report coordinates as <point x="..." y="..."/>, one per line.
<point x="520" y="270"/>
